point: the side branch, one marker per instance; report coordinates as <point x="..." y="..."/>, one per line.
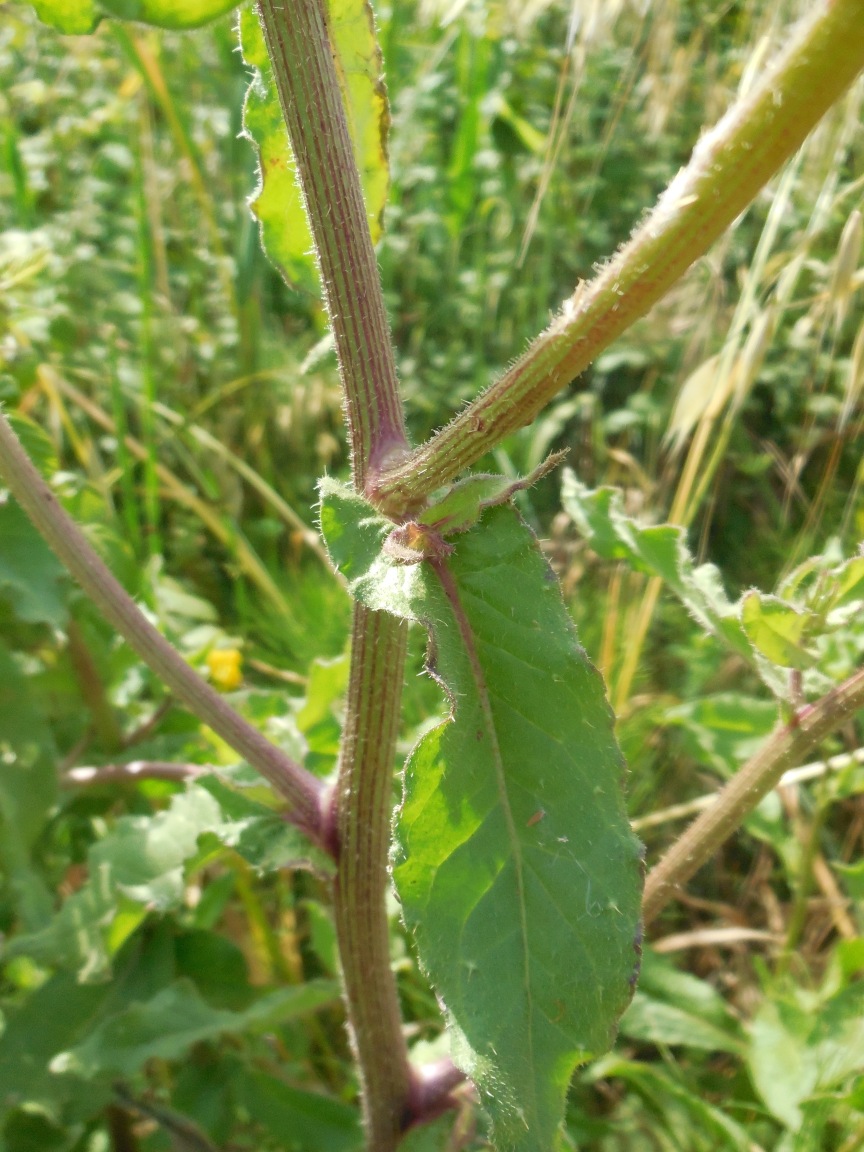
<point x="729" y="166"/>
<point x="303" y="791"/>
<point x="756" y="779"/>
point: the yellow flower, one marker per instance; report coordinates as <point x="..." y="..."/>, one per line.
<point x="225" y="668"/>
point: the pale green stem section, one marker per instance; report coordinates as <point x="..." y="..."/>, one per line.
<point x="729" y="166"/>
<point x="303" y="68"/>
<point x="756" y="779"/>
<point x="305" y="75"/>
<point x="300" y="788"/>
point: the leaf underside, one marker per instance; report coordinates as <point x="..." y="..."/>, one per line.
<point x="277" y="202"/>
<point x="514" y="860"/>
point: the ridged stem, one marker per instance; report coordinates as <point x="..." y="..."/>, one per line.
<point x="364" y="810"/>
<point x="301" y="55"/>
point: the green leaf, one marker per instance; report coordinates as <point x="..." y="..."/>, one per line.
<point x="262" y="837"/>
<point x="661" y="550"/>
<point x="777" y="629"/>
<point x="277" y="202"/>
<point x="302" y="1121"/>
<point x="514" y="860"/>
<point x="176" y="14"/>
<point x="74" y="17"/>
<point x="53" y="1017"/>
<point x="463" y="504"/>
<point x="799" y="1047"/>
<point x="30" y="575"/>
<point x="136" y="868"/>
<point x="167" y="1025"/>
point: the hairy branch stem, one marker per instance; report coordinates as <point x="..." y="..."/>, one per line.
<point x="303" y="791"/>
<point x="754" y="780"/>
<point x="729" y="166"/>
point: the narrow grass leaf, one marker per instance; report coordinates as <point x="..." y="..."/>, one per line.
<point x="514" y="859"/>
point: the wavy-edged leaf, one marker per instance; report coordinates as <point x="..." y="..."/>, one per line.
<point x="174" y="14"/>
<point x="73" y="17"/>
<point x="514" y="860"/>
<point x="277" y="202"/>
<point x="661" y="550"/>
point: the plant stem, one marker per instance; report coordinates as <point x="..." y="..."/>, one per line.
<point x="302" y="58"/>
<point x="303" y="66"/>
<point x="754" y="780"/>
<point x="729" y="166"/>
<point x="364" y="808"/>
<point x="300" y="788"/>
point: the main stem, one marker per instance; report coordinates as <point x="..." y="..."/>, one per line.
<point x="302" y="57"/>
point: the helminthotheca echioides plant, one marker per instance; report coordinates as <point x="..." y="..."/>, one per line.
<point x="517" y="873"/>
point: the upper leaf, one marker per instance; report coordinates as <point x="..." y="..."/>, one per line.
<point x="277" y="202"/>
<point x="514" y="859"/>
<point x="74" y="17"/>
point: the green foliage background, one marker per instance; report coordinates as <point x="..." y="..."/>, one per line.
<point x="147" y="348"/>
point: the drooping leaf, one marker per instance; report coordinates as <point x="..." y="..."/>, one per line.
<point x="30" y="575"/>
<point x="74" y="17"/>
<point x="175" y="14"/>
<point x="277" y="202"/>
<point x="514" y="860"/>
<point x="167" y="1025"/>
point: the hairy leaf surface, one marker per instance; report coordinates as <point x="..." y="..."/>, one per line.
<point x="514" y="859"/>
<point x="277" y="202"/>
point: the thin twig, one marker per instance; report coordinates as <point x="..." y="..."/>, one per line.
<point x="301" y="789"/>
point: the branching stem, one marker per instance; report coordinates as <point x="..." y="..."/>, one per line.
<point x="729" y="166"/>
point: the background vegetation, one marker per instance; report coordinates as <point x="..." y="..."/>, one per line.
<point x="184" y="401"/>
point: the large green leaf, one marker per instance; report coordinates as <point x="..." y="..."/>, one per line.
<point x="277" y="202"/>
<point x="514" y="860"/>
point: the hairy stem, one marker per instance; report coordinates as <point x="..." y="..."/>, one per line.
<point x="300" y="50"/>
<point x="729" y="166"/>
<point x="364" y="807"/>
<point x="759" y="775"/>
<point x="303" y="67"/>
<point x="300" y="788"/>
